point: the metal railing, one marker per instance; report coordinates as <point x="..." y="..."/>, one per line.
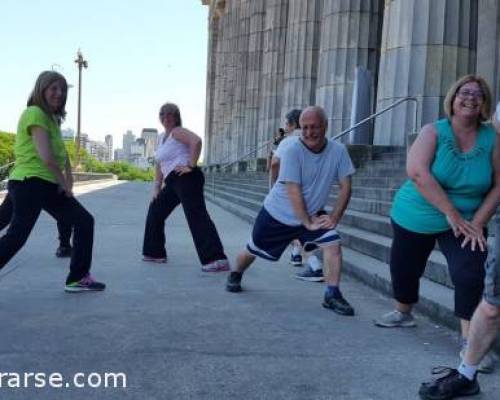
<point x="255" y="150"/>
<point x="384" y="110"/>
<point x="223" y="168"/>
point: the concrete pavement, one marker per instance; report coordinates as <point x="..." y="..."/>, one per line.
<point x="177" y="334"/>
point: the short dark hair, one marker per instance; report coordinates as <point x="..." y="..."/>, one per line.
<point x="292" y="117"/>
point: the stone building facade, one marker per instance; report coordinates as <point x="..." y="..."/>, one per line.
<point x="268" y="56"/>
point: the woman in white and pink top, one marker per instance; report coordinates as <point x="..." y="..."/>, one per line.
<point x="179" y="181"/>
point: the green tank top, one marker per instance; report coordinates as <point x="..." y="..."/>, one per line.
<point x="465" y="177"/>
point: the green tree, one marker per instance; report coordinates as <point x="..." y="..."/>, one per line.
<point x="6" y="147"/>
<point x="122" y="170"/>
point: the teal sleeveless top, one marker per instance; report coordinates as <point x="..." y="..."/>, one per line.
<point x="465" y="177"/>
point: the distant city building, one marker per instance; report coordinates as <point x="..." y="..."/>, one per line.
<point x="108" y="140"/>
<point x="138" y="154"/>
<point x="99" y="150"/>
<point x="68" y="134"/>
<point x="119" y="155"/>
<point x="128" y="140"/>
<point x="84" y="141"/>
<point x="137" y="149"/>
<point x="150" y="136"/>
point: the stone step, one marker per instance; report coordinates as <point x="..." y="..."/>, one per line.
<point x="381" y="172"/>
<point x="377" y="207"/>
<point x="386" y="182"/>
<point x="209" y="178"/>
<point x="371" y="193"/>
<point x="241" y="201"/>
<point x="364" y="232"/>
<point x="252" y="187"/>
<point x="360" y="178"/>
<point x="261" y="190"/>
<point x="239" y="191"/>
<point x="240" y="195"/>
<point x="369" y="222"/>
<point x="400" y="155"/>
<point x="376" y="244"/>
<point x="435" y="300"/>
<point x="244" y="213"/>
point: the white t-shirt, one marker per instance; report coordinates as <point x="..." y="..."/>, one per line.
<point x="314" y="172"/>
<point x="285" y="142"/>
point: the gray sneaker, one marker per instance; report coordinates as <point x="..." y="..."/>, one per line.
<point x="487" y="364"/>
<point x="396" y="319"/>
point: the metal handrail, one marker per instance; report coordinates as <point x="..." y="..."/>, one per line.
<point x="346" y="131"/>
<point x="375" y="115"/>
<point x="341" y="134"/>
<point x="255" y="150"/>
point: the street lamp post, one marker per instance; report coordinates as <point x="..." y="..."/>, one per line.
<point x="81" y="64"/>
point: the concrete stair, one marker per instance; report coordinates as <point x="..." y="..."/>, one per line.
<point x="365" y="228"/>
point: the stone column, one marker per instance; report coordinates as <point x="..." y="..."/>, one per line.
<point x="218" y="78"/>
<point x="254" y="72"/>
<point x="241" y="76"/>
<point x="209" y="145"/>
<point x="350" y="34"/>
<point x="426" y="46"/>
<point x="488" y="44"/>
<point x="273" y="64"/>
<point x="222" y="82"/>
<point x="232" y="20"/>
<point x="301" y="53"/>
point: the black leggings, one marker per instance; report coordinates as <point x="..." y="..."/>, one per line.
<point x="409" y="254"/>
<point x="7" y="209"/>
<point x="29" y="198"/>
<point x="187" y="190"/>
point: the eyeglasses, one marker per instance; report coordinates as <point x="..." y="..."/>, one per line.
<point x="463" y="93"/>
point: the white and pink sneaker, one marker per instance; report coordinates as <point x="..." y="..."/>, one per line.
<point x="216" y="266"/>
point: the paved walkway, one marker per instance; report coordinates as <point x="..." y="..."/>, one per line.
<point x="177" y="334"/>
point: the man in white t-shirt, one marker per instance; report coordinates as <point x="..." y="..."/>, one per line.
<point x="294" y="208"/>
<point x="313" y="271"/>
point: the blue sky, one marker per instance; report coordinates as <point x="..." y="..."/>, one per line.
<point x="140" y="54"/>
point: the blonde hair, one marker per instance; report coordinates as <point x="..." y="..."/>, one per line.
<point x="37" y="97"/>
<point x="452" y="93"/>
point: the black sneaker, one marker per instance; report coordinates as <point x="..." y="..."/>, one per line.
<point x="64" y="251"/>
<point x="310" y="275"/>
<point x="296" y="260"/>
<point x="339" y="305"/>
<point x="86" y="284"/>
<point x="448" y="386"/>
<point x="233" y="283"/>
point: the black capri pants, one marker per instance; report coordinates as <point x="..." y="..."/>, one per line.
<point x="409" y="254"/>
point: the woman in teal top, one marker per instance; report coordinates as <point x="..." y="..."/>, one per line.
<point x="42" y="180"/>
<point x="453" y="190"/>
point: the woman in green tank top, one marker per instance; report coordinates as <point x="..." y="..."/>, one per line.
<point x="452" y="192"/>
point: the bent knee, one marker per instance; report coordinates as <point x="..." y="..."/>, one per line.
<point x="333" y="249"/>
<point x="489" y="310"/>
